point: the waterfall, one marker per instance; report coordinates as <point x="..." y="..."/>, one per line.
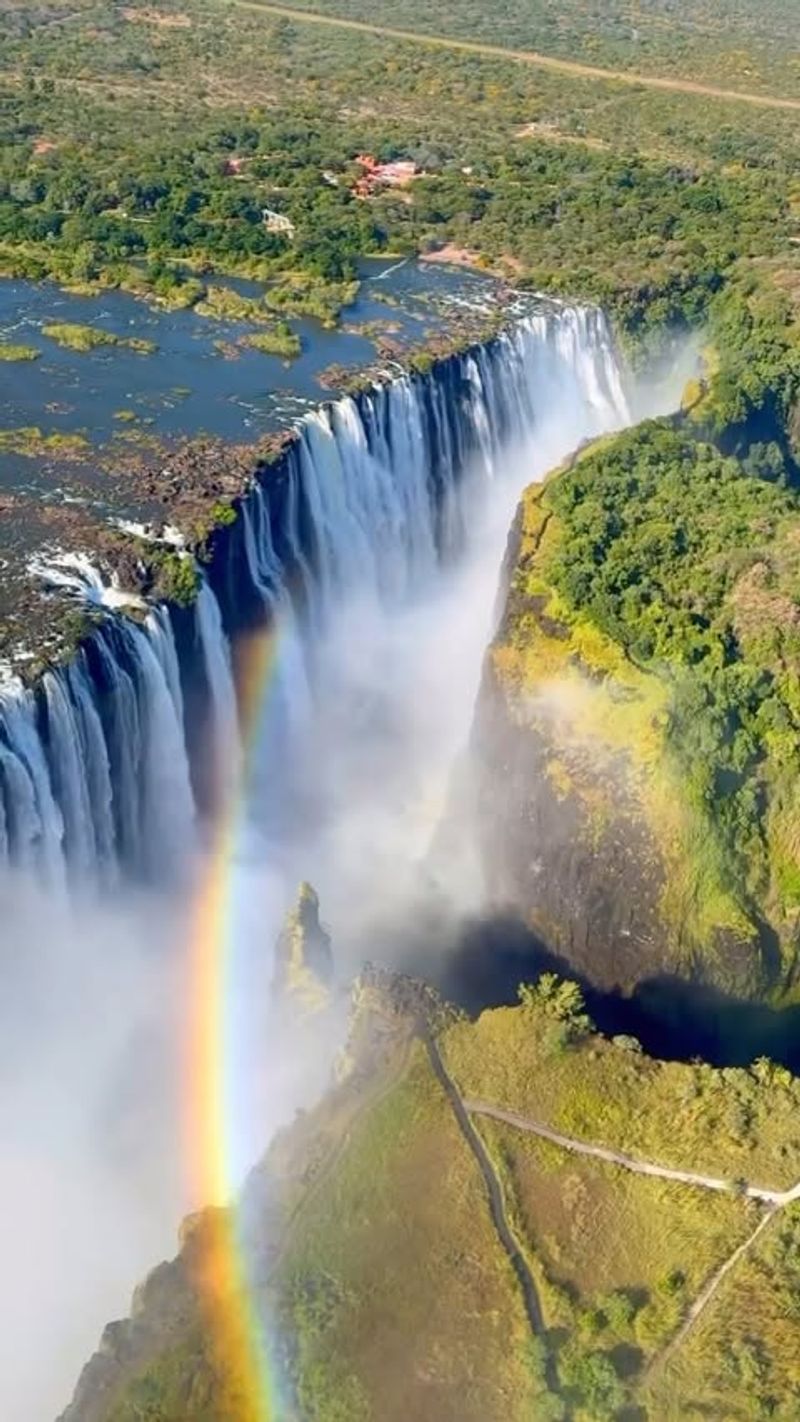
<point x="101" y="759"/>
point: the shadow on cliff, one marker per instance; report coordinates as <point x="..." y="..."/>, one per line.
<point x="672" y="1018"/>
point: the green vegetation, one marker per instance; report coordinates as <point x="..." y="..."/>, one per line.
<point x="88" y="338"/>
<point x="656" y="588"/>
<point x="224" y="304"/>
<point x="280" y="340"/>
<point x="736" y="1123"/>
<point x="725" y="45"/>
<point x="647" y="201"/>
<point x="738" y="1361"/>
<point x="177" y="578"/>
<point x="222" y="515"/>
<point x="11" y="352"/>
<point x="308" y="296"/>
<point x="34" y="443"/>
<point x="652" y="640"/>
<point x="392" y="1286"/>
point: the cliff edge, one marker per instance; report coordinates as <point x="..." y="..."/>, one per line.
<point x="637" y="741"/>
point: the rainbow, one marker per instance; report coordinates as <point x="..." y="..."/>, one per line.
<point x="239" y="1337"/>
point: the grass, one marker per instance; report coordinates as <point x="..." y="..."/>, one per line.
<point x="595" y="1229"/>
<point x="403" y="1312"/>
<point x="75" y="337"/>
<point x="740" y="1361"/>
<point x="738" y="1123"/>
<point x="391" y="1258"/>
<point x="10" y="352"/>
<point x="393" y="1298"/>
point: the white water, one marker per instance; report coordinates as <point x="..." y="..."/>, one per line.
<point x="376" y="553"/>
<point x="385" y="499"/>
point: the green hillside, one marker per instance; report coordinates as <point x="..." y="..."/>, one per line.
<point x="391" y="1287"/>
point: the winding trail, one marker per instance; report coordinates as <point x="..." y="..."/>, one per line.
<point x="494" y="1188"/>
<point x="526" y="56"/>
<point x="773" y="1198"/>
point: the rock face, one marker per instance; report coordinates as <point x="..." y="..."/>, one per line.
<point x="303" y="959"/>
<point x="164" y="1311"/>
<point x="564" y="844"/>
<point x="634" y="762"/>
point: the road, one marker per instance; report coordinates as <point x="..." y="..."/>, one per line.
<point x="526" y="56"/>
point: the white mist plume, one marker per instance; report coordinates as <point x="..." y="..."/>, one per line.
<point x="90" y="1185"/>
<point x="94" y="1079"/>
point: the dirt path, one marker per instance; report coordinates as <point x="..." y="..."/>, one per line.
<point x="527" y="56"/>
<point x="774" y="1198"/>
<point x="494" y="1188"/>
<point x="707" y="1293"/>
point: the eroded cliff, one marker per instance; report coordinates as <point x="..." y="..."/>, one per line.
<point x="636" y="739"/>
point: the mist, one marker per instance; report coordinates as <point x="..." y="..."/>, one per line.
<point x="93" y="1020"/>
<point x="91" y="1186"/>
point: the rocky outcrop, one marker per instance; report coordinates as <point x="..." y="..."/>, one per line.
<point x="165" y="1312"/>
<point x="303" y="959"/>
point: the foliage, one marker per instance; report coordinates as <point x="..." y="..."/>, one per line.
<point x="88" y="338"/>
<point x="643" y="200"/>
<point x="561" y="1000"/>
<point x="391" y="1281"/>
<point x="672" y="572"/>
<point x="9" y="352"/>
<point x="312" y="296"/>
<point x="593" y="1378"/>
<point x="222" y="515"/>
<point x="177" y="579"/>
<point x="726" y="44"/>
<point x="280" y="340"/>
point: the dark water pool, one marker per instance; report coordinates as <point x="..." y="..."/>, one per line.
<point x="672" y="1018"/>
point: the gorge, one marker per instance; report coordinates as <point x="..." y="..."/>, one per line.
<point x="365" y="560"/>
<point x="322" y="704"/>
<point x="375" y="495"/>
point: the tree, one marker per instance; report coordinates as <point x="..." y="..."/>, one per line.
<point x="594" y="1378"/>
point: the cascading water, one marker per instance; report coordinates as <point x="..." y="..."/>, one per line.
<point x="101" y="761"/>
<point x="369" y="554"/>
